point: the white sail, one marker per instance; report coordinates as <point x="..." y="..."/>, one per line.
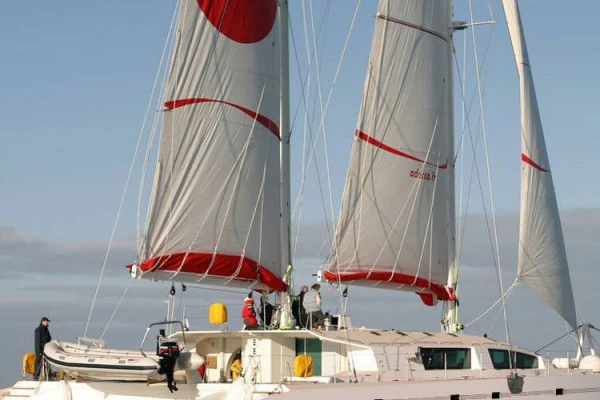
<point x="215" y="210"/>
<point x="393" y="230"/>
<point x="542" y="257"/>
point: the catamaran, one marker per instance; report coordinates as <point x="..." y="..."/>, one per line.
<point x="219" y="215"/>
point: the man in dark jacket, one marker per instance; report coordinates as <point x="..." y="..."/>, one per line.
<point x="42" y="336"/>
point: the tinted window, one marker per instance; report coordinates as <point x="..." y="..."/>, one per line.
<point x="521" y="360"/>
<point x="448" y="358"/>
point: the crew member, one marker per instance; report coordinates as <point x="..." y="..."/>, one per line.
<point x="42" y="336"/>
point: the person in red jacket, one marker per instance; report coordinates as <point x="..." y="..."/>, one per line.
<point x="248" y="313"/>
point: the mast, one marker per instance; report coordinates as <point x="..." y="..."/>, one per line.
<point x="285" y="174"/>
<point x="450" y="321"/>
<point x="286" y="246"/>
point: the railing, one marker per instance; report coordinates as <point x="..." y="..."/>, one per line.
<point x="160" y="324"/>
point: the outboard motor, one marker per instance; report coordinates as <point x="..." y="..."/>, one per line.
<point x="168" y="352"/>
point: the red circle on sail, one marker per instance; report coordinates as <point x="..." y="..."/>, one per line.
<point x="243" y="21"/>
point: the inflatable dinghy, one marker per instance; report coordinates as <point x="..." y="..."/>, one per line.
<point x="95" y="363"/>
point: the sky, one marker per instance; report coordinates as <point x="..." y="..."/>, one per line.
<point x="76" y="78"/>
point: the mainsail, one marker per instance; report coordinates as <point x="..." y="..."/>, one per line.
<point x="215" y="209"/>
<point x="542" y="257"/>
<point x="396" y="226"/>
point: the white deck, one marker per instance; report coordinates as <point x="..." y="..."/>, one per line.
<point x="354" y="364"/>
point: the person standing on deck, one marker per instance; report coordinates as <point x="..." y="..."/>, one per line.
<point x="248" y="313"/>
<point x="265" y="311"/>
<point x="312" y="306"/>
<point x="42" y="336"/>
<point x="302" y="317"/>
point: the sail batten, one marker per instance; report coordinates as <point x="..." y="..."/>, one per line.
<point x="542" y="257"/>
<point x="215" y="210"/>
<point x="392" y="231"/>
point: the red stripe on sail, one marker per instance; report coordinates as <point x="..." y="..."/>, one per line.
<point x="441" y="291"/>
<point x="389" y="149"/>
<point x="261" y="119"/>
<point x="219" y="265"/>
<point x="529" y="161"/>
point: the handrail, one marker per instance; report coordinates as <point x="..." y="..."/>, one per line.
<point x="157" y="324"/>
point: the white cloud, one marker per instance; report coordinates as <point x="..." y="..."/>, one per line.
<point x="24" y="254"/>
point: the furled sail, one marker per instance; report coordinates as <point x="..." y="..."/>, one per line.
<point x="542" y="257"/>
<point x="396" y="223"/>
<point x="215" y="210"/>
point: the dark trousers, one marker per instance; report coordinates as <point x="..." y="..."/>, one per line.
<point x="316" y="319"/>
<point x="38" y="365"/>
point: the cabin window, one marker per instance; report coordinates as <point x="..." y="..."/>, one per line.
<point x="445" y="358"/>
<point x="521" y="360"/>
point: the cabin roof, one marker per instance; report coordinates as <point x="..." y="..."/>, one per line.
<point x="358" y="337"/>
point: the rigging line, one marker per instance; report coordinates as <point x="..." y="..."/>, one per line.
<point x="474" y="165"/>
<point x="474" y="92"/>
<point x="120" y="209"/>
<point x="158" y="117"/>
<point x="499" y="265"/>
<point x="375" y="151"/>
<point x="418" y="184"/>
<point x="168" y="44"/>
<point x="461" y="145"/>
<point x="324" y="107"/>
<point x="203" y="76"/>
<point x="490" y="308"/>
<point x="322" y="129"/>
<point x="259" y="202"/>
<point x="475" y="168"/>
<point x="305" y="85"/>
<point x="554" y="341"/>
<point x="116" y="308"/>
<point x="302" y="99"/>
<point x="171" y="164"/>
<point x="428" y="230"/>
<point x="318" y="91"/>
<point x="365" y="171"/>
<point x="465" y="123"/>
<point x="324" y="111"/>
<point x="313" y="142"/>
<point x="236" y="185"/>
<point x="364" y="168"/>
<point x="240" y="161"/>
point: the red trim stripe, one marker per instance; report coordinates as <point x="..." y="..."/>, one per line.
<point x="389" y="149"/>
<point x="222" y="265"/>
<point x="529" y="161"/>
<point x="441" y="291"/>
<point x="261" y="119"/>
<point x="417" y="27"/>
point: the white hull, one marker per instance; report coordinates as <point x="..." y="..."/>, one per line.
<point x="385" y="364"/>
<point x="574" y="387"/>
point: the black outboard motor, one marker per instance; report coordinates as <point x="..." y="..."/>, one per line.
<point x="168" y="352"/>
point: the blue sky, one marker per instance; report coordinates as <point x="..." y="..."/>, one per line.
<point x="78" y="76"/>
<point x="75" y="80"/>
